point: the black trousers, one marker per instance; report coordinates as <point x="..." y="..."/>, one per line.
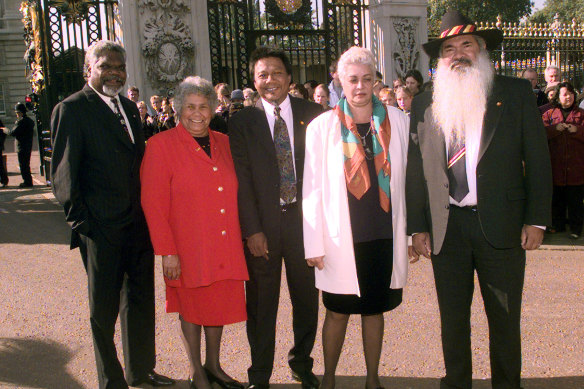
<point x="24" y="163"/>
<point x="121" y="281"/>
<point x="570" y="198"/>
<point x="263" y="294"/>
<point x="500" y="273"/>
<point x="3" y="172"/>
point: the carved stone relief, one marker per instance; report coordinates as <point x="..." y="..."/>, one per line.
<point x="167" y="43"/>
<point x="406" y="53"/>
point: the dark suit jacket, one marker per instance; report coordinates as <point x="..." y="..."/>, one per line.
<point x="254" y="155"/>
<point x="514" y="184"/>
<point x="95" y="166"/>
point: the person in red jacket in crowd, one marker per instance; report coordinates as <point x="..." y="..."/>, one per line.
<point x="565" y="131"/>
<point x="189" y="197"/>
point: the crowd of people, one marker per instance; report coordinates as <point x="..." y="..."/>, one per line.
<point x="344" y="184"/>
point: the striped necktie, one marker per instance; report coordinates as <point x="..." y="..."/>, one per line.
<point x="457" y="180"/>
<point x="121" y="117"/>
<point x="284" y="156"/>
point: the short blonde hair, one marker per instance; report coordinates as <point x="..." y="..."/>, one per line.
<point x="356" y="56"/>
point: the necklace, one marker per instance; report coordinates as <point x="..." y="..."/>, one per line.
<point x="366" y="148"/>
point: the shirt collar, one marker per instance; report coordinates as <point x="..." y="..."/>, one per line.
<point x="269" y="107"/>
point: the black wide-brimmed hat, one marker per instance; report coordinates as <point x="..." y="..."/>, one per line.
<point x="454" y="24"/>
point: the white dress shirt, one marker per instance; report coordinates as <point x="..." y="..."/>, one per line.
<point x="108" y="101"/>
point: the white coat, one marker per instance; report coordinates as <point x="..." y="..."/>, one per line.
<point x="326" y="220"/>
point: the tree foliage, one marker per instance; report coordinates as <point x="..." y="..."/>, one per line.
<point x="566" y="10"/>
<point x="478" y="10"/>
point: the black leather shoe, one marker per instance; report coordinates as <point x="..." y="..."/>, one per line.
<point x="25" y="185"/>
<point x="224" y="384"/>
<point x="155" y="379"/>
<point x="258" y="386"/>
<point x="307" y="379"/>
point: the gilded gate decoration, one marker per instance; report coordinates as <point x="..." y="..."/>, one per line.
<point x="312" y="32"/>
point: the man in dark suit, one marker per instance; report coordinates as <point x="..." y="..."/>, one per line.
<point x="23" y="131"/>
<point x="97" y="151"/>
<point x="267" y="144"/>
<point x="478" y="192"/>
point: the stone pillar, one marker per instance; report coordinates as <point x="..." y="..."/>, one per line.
<point x="397" y="30"/>
<point x="166" y="41"/>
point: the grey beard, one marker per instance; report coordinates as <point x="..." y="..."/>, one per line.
<point x="111" y="92"/>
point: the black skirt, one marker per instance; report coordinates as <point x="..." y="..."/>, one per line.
<point x="374" y="261"/>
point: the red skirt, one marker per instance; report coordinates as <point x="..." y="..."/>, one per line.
<point x="221" y="303"/>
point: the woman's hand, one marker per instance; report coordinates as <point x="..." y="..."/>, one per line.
<point x="171" y="267"/>
<point x="571" y="128"/>
<point x="316" y="261"/>
<point x="560" y="127"/>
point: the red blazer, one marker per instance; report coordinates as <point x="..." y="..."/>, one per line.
<point x="190" y="203"/>
<point x="566" y="148"/>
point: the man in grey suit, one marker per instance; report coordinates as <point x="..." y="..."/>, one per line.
<point x="97" y="151"/>
<point x="478" y="194"/>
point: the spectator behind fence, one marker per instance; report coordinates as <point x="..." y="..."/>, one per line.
<point x="387" y="97"/>
<point x="3" y="172"/>
<point x="414" y="81"/>
<point x="404" y="98"/>
<point x="531" y="75"/>
<point x="335" y="88"/>
<point x="189" y="195"/>
<point x="134" y="93"/>
<point x="354" y="229"/>
<point x="23" y="131"/>
<point x="564" y="124"/>
<point x="148" y="127"/>
<point x="298" y="90"/>
<point x="310" y="86"/>
<point x="166" y="119"/>
<point x="321" y="96"/>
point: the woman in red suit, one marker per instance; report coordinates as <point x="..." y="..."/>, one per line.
<point x="564" y="124"/>
<point x="189" y="196"/>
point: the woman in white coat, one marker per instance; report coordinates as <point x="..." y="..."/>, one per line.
<point x="354" y="211"/>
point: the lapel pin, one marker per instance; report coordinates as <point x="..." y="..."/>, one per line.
<point x="301" y="123"/>
<point x="499" y="103"/>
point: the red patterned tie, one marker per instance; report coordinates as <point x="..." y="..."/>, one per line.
<point x="457" y="181"/>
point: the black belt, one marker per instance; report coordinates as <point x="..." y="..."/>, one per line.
<point x="467" y="208"/>
<point x="289" y="206"/>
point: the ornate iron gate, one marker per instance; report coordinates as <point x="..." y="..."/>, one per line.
<point x="57" y="33"/>
<point x="314" y="33"/>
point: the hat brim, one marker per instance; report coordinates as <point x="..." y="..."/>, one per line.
<point x="493" y="38"/>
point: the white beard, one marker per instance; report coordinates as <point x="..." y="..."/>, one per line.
<point x="460" y="97"/>
<point x="111" y="92"/>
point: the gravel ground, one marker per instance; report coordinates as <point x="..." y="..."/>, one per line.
<point x="45" y="340"/>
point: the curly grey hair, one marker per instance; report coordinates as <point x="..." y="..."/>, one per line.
<point x="356" y="56"/>
<point x="98" y="49"/>
<point x="194" y="85"/>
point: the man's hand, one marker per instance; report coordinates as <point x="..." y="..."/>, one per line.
<point x="316" y="261"/>
<point x="258" y="245"/>
<point x="422" y="246"/>
<point x="531" y="237"/>
<point x="412" y="255"/>
<point x="171" y="267"/>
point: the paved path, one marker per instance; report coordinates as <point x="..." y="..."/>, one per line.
<point x="45" y="339"/>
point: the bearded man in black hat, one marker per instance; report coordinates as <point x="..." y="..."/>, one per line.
<point x="478" y="194"/>
<point x="23" y="131"/>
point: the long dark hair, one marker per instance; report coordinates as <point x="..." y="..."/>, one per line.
<point x="556" y="100"/>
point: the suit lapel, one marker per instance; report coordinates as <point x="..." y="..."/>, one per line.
<point x="437" y="136"/>
<point x="495" y="105"/>
<point x="264" y="134"/>
<point x="109" y="119"/>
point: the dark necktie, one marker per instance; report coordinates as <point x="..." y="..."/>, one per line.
<point x="121" y="117"/>
<point x="457" y="181"/>
<point x="284" y="155"/>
